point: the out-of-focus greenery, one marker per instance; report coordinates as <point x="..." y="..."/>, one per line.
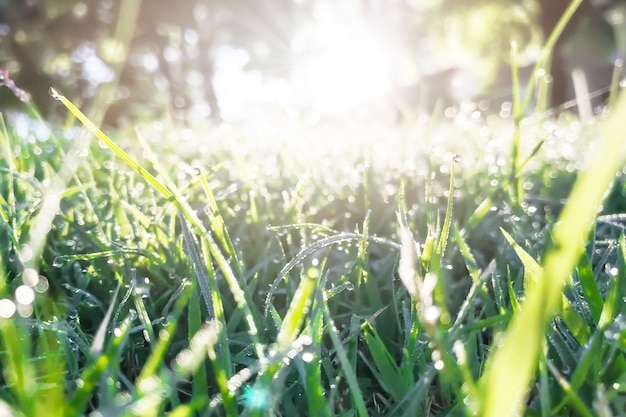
<point x="71" y="45"/>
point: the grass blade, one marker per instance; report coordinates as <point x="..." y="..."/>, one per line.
<point x="504" y="387"/>
<point x="92" y="374"/>
<point x="391" y="375"/>
<point x="346" y="366"/>
<point x="202" y="276"/>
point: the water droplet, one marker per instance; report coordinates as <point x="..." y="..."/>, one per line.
<point x="24" y="295"/>
<point x="55" y="94"/>
<point x="7" y="308"/>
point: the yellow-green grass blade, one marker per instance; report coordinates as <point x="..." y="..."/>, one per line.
<point x="615" y="81"/>
<point x="298" y="310"/>
<point x="66" y="259"/>
<point x="112" y="145"/>
<point x="208" y="286"/>
<point x="511" y="368"/>
<point x="442" y="241"/>
<point x="218" y="226"/>
<point x="17" y="367"/>
<point x="314" y="389"/>
<point x="548" y="49"/>
<point x="532" y="269"/>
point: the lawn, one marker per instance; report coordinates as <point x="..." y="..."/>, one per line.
<point x="441" y="266"/>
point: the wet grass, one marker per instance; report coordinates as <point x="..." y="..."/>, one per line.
<point x="471" y="265"/>
<point x="363" y="270"/>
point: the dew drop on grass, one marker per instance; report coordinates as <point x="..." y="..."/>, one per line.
<point x="55" y="94"/>
<point x="123" y="398"/>
<point x="24" y="295"/>
<point x="142" y="287"/>
<point x="7" y="308"/>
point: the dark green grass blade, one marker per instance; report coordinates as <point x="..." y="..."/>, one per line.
<point x="92" y="374"/>
<point x="346" y="366"/>
<point x="391" y="376"/>
<point x="202" y="276"/>
<point x="572" y="395"/>
<point x="532" y="274"/>
<point x="590" y="287"/>
<point x="416" y="398"/>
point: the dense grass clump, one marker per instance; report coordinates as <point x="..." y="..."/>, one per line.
<point x="388" y="270"/>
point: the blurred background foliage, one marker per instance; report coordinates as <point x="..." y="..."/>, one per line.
<point x="201" y="58"/>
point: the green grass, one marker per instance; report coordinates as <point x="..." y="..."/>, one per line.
<point x="367" y="269"/>
<point x="291" y="278"/>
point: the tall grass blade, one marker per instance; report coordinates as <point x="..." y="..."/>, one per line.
<point x="512" y="366"/>
<point x="615" y="80"/>
<point x="548" y="49"/>
<point x="112" y="145"/>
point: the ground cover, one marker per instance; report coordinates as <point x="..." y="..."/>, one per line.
<point x="366" y="269"/>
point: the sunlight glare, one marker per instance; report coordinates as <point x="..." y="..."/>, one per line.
<point x="349" y="69"/>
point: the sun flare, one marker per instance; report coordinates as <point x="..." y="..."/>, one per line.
<point x="347" y="67"/>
